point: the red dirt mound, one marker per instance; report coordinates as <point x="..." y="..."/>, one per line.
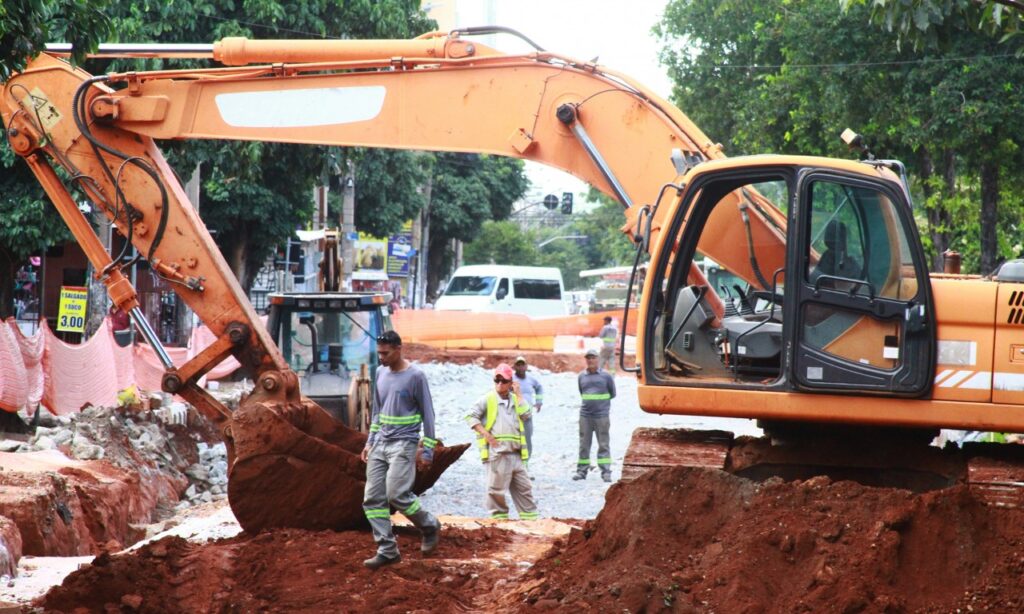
<point x="286" y="570"/>
<point x="696" y="540"/>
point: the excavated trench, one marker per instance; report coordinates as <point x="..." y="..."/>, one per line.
<point x="672" y="539"/>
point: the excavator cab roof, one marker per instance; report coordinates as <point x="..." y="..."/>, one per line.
<point x="341" y="301"/>
<point x="853" y="166"/>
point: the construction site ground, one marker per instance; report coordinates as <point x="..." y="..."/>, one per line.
<point x="678" y="539"/>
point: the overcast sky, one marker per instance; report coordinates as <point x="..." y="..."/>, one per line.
<point x="617" y="32"/>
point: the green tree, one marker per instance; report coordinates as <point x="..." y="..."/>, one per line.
<point x="934" y="23"/>
<point x="29" y="224"/>
<point x="794" y="74"/>
<point x="468" y="189"/>
<point x="255" y="194"/>
<point x="26" y="26"/>
<point x="500" y="243"/>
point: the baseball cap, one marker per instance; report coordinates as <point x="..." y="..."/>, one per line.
<point x="519" y="359"/>
<point x="591" y="353"/>
<point x="503" y="370"/>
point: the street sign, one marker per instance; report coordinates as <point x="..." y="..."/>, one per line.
<point x="550" y="202"/>
<point x="71" y="310"/>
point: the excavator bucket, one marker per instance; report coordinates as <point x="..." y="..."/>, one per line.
<point x="295" y="466"/>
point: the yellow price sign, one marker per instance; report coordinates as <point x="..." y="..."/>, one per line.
<point x="71" y="311"/>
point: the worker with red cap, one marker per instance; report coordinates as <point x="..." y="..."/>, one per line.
<point x="497" y="417"/>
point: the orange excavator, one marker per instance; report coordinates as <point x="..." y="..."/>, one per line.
<point x="837" y="330"/>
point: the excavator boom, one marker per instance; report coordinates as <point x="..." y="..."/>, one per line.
<point x="291" y="464"/>
<point x="838" y="301"/>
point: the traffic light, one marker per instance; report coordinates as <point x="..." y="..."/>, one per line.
<point x="567" y="203"/>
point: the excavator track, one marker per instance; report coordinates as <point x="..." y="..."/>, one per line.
<point x="994" y="472"/>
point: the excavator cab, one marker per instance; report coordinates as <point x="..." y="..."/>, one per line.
<point x="838" y="282"/>
<point x="330" y="341"/>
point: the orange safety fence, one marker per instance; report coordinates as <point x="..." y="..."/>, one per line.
<point x="471" y="330"/>
<point x="65" y="377"/>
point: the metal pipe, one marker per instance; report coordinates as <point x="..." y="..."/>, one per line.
<point x="139" y="50"/>
<point x="147" y="331"/>
<point x="568" y="116"/>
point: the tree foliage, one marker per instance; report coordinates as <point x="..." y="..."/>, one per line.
<point x="792" y="75"/>
<point x="27" y="25"/>
<point x="604" y="245"/>
<point x="467" y="190"/>
<point x="934" y="23"/>
<point x="255" y="194"/>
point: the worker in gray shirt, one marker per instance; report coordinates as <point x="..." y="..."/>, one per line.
<point x="533" y="395"/>
<point x="597" y="389"/>
<point x="609" y="335"/>
<point x="401" y="405"/>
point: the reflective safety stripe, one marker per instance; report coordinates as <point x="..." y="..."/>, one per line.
<point x="429" y="443"/>
<point x="492" y="417"/>
<point x="401" y="419"/>
<point x="608" y="339"/>
<point x="377" y="512"/>
<point x="499" y="516"/>
<point x="604" y="396"/>
<point x="604" y="461"/>
<point x="583" y="461"/>
<point x="529" y="515"/>
<point x="415" y="507"/>
<point x="374" y="428"/>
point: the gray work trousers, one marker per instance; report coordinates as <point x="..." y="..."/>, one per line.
<point x="606" y="361"/>
<point x="590" y="426"/>
<point x="390" y="472"/>
<point x="506" y="472"/>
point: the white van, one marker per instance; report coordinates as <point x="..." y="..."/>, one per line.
<point x="530" y="290"/>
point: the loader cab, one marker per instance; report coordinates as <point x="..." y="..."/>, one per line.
<point x="831" y="296"/>
<point x="329" y="339"/>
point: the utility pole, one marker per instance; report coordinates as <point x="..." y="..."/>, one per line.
<point x="183" y="315"/>
<point x="420" y="295"/>
<point x="348" y="224"/>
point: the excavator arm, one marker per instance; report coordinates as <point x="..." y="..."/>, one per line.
<point x="291" y="464"/>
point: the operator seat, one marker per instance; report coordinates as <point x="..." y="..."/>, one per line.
<point x="836" y="259"/>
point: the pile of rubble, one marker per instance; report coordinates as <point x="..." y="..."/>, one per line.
<point x="158" y="439"/>
<point x="106" y="474"/>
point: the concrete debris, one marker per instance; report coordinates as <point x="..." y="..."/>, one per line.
<point x="136" y="439"/>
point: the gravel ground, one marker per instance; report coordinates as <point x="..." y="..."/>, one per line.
<point x="462" y="489"/>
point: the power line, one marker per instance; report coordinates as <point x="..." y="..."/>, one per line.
<point x="865" y="64"/>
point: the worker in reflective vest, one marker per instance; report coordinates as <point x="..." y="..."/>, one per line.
<point x="597" y="389"/>
<point x="497" y="417"/>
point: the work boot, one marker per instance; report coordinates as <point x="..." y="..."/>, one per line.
<point x="581" y="474"/>
<point x="606" y="476"/>
<point x="430" y="539"/>
<point x="379" y="560"/>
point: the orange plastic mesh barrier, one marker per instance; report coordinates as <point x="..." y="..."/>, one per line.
<point x="65" y="377"/>
<point x="13" y="374"/>
<point x="464" y="329"/>
<point x="86" y="373"/>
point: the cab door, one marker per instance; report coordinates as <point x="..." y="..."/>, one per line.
<point x="863" y="312"/>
